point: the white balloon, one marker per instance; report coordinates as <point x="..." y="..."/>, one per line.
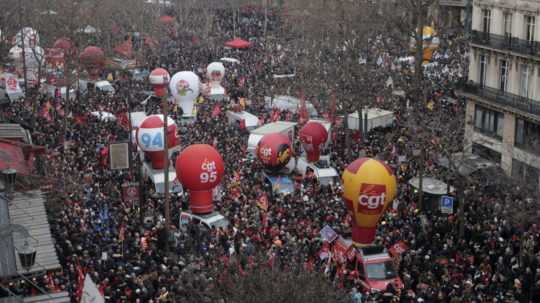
<point x="215" y="72"/>
<point x="185" y="87"/>
<point x="31" y="37"/>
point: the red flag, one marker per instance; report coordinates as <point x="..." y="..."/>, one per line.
<point x="309" y="264"/>
<point x="303" y="115"/>
<point x="216" y="111"/>
<point x="59" y="109"/>
<point x="243" y="124"/>
<point x="122" y="233"/>
<point x="150" y="42"/>
<point x="289" y="116"/>
<point x="80" y="274"/>
<point x="242" y="81"/>
<point x="398" y="248"/>
<point x="80" y="119"/>
<point x="104" y="156"/>
<point x="52" y="286"/>
<point x="332" y="111"/>
<point x="125" y="49"/>
<point x="45" y="112"/>
<point x="275" y="115"/>
<point x="123" y="120"/>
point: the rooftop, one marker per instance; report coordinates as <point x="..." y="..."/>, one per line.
<point x="28" y="210"/>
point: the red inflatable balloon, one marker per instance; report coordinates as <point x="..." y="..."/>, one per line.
<point x="93" y="58"/>
<point x="312" y="136"/>
<point x="150" y="139"/>
<point x="274" y="151"/>
<point x="65" y="45"/>
<point x="199" y="168"/>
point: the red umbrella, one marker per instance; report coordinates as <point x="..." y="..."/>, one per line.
<point x="238" y="43"/>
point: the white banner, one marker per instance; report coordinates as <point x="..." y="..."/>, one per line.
<point x="90" y="292"/>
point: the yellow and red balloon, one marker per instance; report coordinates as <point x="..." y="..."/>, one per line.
<point x="368" y="188"/>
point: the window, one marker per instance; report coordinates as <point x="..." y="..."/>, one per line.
<point x="529" y="28"/>
<point x="486" y="20"/>
<point x="488" y="121"/>
<point x="483" y="70"/>
<point x="507" y="23"/>
<point x="486" y="153"/>
<point x="381" y="271"/>
<point x="524" y="83"/>
<point x="503" y="77"/>
<point x="527" y="136"/>
<point x="526" y="173"/>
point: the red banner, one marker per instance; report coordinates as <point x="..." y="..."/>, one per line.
<point x="341" y="249"/>
<point x="130" y="193"/>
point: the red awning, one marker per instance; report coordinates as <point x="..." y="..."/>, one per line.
<point x="238" y="43"/>
<point x="17" y="155"/>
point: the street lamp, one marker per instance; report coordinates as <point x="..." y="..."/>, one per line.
<point x="27" y="255"/>
<point x="159" y="79"/>
<point x="9" y="175"/>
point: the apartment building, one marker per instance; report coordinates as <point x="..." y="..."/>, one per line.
<point x="503" y="95"/>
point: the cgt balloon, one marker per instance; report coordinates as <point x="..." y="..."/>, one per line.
<point x="200" y="168"/>
<point x="274" y="151"/>
<point x="368" y="188"/>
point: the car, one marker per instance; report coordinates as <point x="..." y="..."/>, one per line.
<point x="377" y="270"/>
<point x="211" y="220"/>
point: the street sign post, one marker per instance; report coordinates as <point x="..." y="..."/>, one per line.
<point x="447" y="205"/>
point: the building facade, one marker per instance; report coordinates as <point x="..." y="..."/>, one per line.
<point x="503" y="95"/>
<point x="451" y="13"/>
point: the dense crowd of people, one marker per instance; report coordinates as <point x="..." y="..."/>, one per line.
<point x="122" y="246"/>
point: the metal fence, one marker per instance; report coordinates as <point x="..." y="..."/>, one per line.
<point x="506" y="42"/>
<point x="504" y="98"/>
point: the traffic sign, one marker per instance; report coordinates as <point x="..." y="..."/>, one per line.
<point x="447" y="205"/>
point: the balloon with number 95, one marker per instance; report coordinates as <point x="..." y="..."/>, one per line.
<point x="200" y="168"/>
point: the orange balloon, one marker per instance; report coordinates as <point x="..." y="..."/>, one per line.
<point x="368" y="188"/>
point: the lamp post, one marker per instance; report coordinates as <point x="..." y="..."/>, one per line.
<point x="9" y="174"/>
<point x="159" y="78"/>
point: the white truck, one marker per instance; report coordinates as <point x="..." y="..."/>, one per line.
<point x="289" y="103"/>
<point x="251" y="121"/>
<point x="321" y="170"/>
<point x="282" y="127"/>
<point x="376" y="117"/>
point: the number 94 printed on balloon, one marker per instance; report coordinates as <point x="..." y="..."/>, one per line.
<point x="209" y="173"/>
<point x="151" y="140"/>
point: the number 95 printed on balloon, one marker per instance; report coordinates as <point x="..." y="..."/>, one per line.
<point x="209" y="173"/>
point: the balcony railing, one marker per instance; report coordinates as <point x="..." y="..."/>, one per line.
<point x="460" y="3"/>
<point x="506" y="43"/>
<point x="504" y="98"/>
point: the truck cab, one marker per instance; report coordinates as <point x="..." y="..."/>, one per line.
<point x="377" y="270"/>
<point x="321" y="170"/>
